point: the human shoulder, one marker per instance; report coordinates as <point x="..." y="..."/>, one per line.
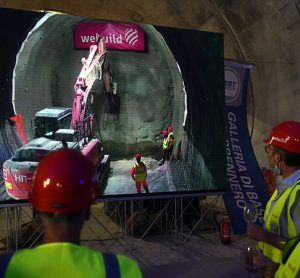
<point x="293" y="179"/>
<point x="129" y="267"/>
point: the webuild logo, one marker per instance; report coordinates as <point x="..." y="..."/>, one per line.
<point x="233" y="95"/>
<point x="116" y="35"/>
<point x="131" y="36"/>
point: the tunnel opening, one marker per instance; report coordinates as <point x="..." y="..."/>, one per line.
<point x="149" y="86"/>
<point x="149" y="89"/>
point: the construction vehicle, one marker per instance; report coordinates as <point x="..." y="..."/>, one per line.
<point x="58" y="127"/>
<point x="47" y="121"/>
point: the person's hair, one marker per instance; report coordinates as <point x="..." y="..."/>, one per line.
<point x="60" y="217"/>
<point x="289" y="158"/>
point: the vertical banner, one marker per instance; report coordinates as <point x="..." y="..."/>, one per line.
<point x="246" y="183"/>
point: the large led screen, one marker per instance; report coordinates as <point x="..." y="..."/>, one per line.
<point x="148" y="90"/>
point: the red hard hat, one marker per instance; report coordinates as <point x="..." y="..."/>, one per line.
<point x="137" y="156"/>
<point x="165" y="132"/>
<point x="170" y="128"/>
<point x="64" y="181"/>
<point x="285" y="135"/>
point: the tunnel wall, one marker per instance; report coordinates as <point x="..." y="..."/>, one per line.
<point x="149" y="85"/>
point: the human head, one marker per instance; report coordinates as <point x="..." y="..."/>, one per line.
<point x="165" y="133"/>
<point x="138" y="156"/>
<point x="65" y="181"/>
<point x="170" y="128"/>
<point x="283" y="144"/>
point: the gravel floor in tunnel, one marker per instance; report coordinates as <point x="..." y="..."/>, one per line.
<point x="170" y="177"/>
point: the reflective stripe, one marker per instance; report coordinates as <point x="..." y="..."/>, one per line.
<point x="171" y="134"/>
<point x="272" y="220"/>
<point x="165" y="143"/>
<point x="8" y="185"/>
<point x="111" y="266"/>
<point x="4" y="261"/>
<point x="292" y="266"/>
<point x="291" y="225"/>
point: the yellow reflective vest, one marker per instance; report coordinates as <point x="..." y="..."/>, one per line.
<point x="272" y="218"/>
<point x="140" y="171"/>
<point x="165" y="143"/>
<point x="171" y="139"/>
<point x="290" y="268"/>
<point x="63" y="260"/>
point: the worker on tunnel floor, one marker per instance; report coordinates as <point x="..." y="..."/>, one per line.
<point x="165" y="147"/>
<point x="139" y="174"/>
<point x="171" y="142"/>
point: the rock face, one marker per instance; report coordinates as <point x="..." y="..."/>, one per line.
<point x="150" y="86"/>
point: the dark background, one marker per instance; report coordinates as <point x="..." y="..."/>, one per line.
<point x="14" y="27"/>
<point x="201" y="59"/>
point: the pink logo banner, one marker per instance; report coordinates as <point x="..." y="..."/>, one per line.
<point x="116" y="35"/>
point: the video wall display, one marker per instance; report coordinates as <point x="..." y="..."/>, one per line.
<point x="146" y="103"/>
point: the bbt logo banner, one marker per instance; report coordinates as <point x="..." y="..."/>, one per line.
<point x="246" y="183"/>
<point x="116" y="35"/>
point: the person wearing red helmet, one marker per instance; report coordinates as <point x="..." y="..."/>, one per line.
<point x="139" y="174"/>
<point x="165" y="147"/>
<point x="63" y="188"/>
<point x="282" y="214"/>
<point x="171" y="142"/>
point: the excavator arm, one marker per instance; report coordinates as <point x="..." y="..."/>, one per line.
<point x="95" y="67"/>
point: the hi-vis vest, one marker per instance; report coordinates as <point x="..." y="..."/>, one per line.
<point x="290" y="268"/>
<point x="64" y="260"/>
<point x="272" y="217"/>
<point x="165" y="143"/>
<point x="171" y="138"/>
<point x="140" y="171"/>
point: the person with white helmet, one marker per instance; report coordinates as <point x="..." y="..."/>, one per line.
<point x="282" y="213"/>
<point x="63" y="189"/>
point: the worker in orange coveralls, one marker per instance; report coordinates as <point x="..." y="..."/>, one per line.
<point x="139" y="174"/>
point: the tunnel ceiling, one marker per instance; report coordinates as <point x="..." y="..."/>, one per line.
<point x="265" y="33"/>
